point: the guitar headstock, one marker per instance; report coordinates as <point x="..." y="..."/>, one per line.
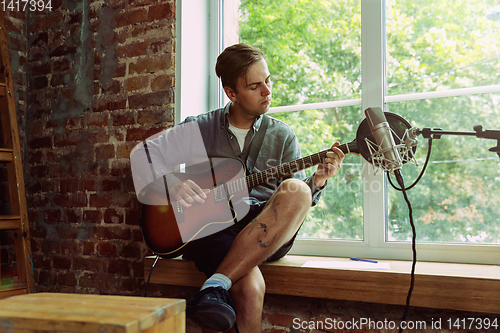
<point x="350" y="148"/>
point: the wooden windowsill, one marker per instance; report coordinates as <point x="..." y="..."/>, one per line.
<point x="464" y="287"/>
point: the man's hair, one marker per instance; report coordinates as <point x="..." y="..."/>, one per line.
<point x="235" y="61"/>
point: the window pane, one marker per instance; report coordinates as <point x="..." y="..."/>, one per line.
<point x="441" y="45"/>
<point x="339" y="213"/>
<point x="313" y="48"/>
<point x="458" y="199"/>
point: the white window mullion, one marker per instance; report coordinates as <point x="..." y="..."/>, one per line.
<point x="216" y="46"/>
<point x="372" y="60"/>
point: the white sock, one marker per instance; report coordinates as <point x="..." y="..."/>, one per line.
<point x="217" y="280"/>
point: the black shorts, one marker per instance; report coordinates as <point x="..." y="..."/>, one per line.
<point x="208" y="252"/>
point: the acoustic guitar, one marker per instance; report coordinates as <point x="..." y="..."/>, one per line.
<point x="168" y="226"/>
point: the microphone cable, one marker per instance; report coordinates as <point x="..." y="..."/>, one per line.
<point x="421" y="172"/>
<point x="414" y="262"/>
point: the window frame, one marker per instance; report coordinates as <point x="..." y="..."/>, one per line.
<point x="373" y="53"/>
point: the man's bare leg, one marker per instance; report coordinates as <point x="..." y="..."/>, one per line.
<point x="274" y="227"/>
<point x="248" y="299"/>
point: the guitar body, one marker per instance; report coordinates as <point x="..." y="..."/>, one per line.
<point x="167" y="225"/>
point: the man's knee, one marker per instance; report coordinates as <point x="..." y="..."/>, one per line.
<point x="297" y="189"/>
<point x="251" y="286"/>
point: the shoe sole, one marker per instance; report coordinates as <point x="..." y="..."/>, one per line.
<point x="220" y="317"/>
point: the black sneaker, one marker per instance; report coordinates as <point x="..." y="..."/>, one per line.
<point x="212" y="308"/>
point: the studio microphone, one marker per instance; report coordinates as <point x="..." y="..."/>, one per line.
<point x="382" y="133"/>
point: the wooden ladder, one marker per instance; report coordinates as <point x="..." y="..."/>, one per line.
<point x="10" y="155"/>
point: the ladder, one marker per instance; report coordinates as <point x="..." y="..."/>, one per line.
<point x="10" y="157"/>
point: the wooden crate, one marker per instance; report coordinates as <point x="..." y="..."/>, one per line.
<point x="51" y="312"/>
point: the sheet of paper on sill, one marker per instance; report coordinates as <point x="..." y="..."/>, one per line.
<point x="346" y="264"/>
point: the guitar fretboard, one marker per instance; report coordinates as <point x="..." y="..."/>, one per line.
<point x="283" y="170"/>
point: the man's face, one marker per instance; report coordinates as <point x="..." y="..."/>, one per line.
<point x="253" y="94"/>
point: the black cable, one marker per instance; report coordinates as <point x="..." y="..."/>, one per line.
<point x="149" y="277"/>
<point x="421" y="172"/>
<point x="414" y="263"/>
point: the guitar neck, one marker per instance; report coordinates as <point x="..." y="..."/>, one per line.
<point x="286" y="169"/>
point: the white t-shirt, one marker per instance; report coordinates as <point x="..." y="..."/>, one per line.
<point x="240" y="134"/>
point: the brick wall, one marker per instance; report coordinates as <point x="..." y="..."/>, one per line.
<point x="101" y="79"/>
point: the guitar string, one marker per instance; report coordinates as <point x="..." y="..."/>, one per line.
<point x="196" y="234"/>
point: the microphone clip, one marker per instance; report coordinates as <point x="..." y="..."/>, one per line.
<point x="403" y="147"/>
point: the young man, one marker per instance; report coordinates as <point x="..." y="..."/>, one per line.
<point x="234" y="291"/>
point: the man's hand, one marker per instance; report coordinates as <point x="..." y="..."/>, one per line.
<point x="186" y="192"/>
<point x="330" y="167"/>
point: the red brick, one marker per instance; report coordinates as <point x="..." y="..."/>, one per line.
<point x="61" y="65"/>
<point x="98" y="119"/>
<point x="97" y="280"/>
<point x="137" y="83"/>
<point x="41" y="261"/>
<point x="115" y="87"/>
<point x="66" y="139"/>
<point x="69" y="248"/>
<point x="66" y="232"/>
<point x="46" y="278"/>
<point x="88" y="248"/>
<point x="123" y="150"/>
<point x="162" y="82"/>
<point x="119" y="168"/>
<point x="53" y="216"/>
<point x="120" y="71"/>
<point x="120" y="267"/>
<point x="133" y="216"/>
<point x="43" y="142"/>
<point x="92" y="216"/>
<point x="104" y="152"/>
<point x="39" y="24"/>
<point x="68" y="185"/>
<point x="127" y="284"/>
<point x="160" y="12"/>
<point x="151" y="66"/>
<point x="60" y="262"/>
<point x="132" y="250"/>
<point x="63" y="50"/>
<point x="98" y="136"/>
<point x="123" y="119"/>
<point x="66" y="279"/>
<point x="132" y="50"/>
<point x="113" y="216"/>
<point x="78" y="199"/>
<point x="139" y="134"/>
<point x="88" y="264"/>
<point x="39" y="171"/>
<point x="106" y="249"/>
<point x="159" y="98"/>
<point x="162" y="47"/>
<point x="130" y="18"/>
<point x="87" y="184"/>
<point x="110" y="199"/>
<point x="72" y="215"/>
<point x="35" y="157"/>
<point x="111" y="233"/>
<point x="110" y="185"/>
<point x="50" y="246"/>
<point x="40" y="69"/>
<point x="110" y="105"/>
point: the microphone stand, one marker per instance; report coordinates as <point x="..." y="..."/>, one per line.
<point x="436" y="133"/>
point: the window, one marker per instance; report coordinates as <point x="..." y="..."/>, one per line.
<point x="436" y="65"/>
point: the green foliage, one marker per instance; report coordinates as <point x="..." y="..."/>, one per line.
<point x="313" y="49"/>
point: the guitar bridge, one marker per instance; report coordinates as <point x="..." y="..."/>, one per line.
<point x="220" y="193"/>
